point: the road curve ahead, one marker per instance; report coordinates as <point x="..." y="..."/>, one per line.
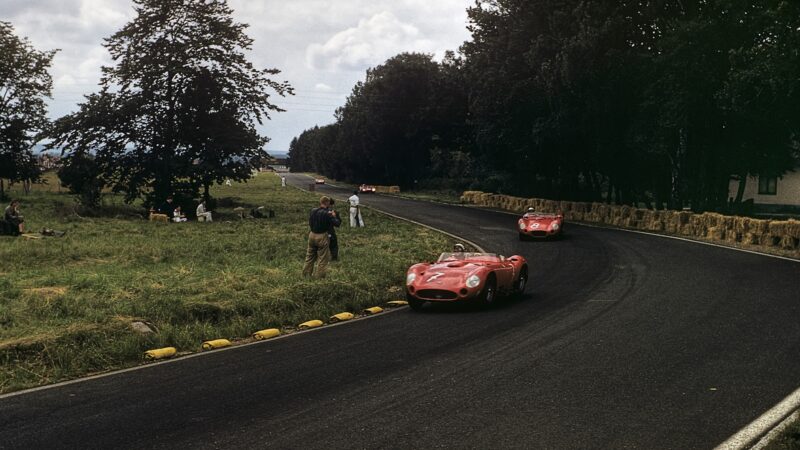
<point x="625" y="340"/>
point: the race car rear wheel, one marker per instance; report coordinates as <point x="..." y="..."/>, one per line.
<point x="489" y="294"/>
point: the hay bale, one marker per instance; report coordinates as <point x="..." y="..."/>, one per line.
<point x="793" y="228"/>
<point x="789" y="242"/>
<point x="716" y="233"/>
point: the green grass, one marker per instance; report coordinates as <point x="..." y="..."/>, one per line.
<point x="66" y="303"/>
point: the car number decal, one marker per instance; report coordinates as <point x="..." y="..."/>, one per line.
<point x="435" y="276"/>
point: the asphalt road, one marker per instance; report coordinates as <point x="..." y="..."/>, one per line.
<point x="624" y="341"/>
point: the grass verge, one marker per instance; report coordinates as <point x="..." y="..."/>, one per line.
<point x="66" y="304"/>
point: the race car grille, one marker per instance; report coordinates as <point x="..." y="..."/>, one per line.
<point x="436" y="294"/>
<point x="539" y="233"/>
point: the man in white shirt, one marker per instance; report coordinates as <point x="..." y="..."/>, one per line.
<point x="202" y="214"/>
<point x="355" y="211"/>
<point x="283" y="181"/>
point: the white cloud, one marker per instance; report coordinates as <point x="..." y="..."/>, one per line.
<point x="370" y="43"/>
<point x="321" y="47"/>
<point x="322" y="87"/>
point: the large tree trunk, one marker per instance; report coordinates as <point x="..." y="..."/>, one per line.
<point x="206" y="185"/>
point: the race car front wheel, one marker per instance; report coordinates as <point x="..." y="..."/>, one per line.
<point x="489" y="291"/>
<point x="414" y="303"/>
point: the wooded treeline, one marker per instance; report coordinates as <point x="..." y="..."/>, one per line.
<point x="657" y="102"/>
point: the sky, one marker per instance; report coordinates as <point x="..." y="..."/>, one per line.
<point x="322" y="47"/>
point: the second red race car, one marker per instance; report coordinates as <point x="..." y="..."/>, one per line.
<point x="464" y="276"/>
<point x="534" y="224"/>
<point x="366" y="189"/>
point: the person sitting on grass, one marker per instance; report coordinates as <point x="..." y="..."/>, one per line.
<point x="203" y="215"/>
<point x="14" y="219"/>
<point x="177" y="215"/>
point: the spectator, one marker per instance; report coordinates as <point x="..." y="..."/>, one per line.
<point x="355" y="211"/>
<point x="14" y="219"/>
<point x="283" y="181"/>
<point x="177" y="215"/>
<point x="320" y="221"/>
<point x="168" y="208"/>
<point x="203" y="215"/>
<point x="334" y="240"/>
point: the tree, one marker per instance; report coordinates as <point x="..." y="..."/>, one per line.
<point x="24" y="84"/>
<point x="179" y="107"/>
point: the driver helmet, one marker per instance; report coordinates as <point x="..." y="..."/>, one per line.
<point x="459" y="248"/>
<point x="531" y="210"/>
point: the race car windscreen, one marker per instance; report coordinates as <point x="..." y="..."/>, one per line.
<point x="461" y="256"/>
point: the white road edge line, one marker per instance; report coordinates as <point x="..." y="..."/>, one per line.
<point x="770" y="420"/>
<point x="769" y="437"/>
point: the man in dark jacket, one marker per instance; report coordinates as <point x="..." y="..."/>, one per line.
<point x="334" y="240"/>
<point x="168" y="208"/>
<point x="320" y="221"/>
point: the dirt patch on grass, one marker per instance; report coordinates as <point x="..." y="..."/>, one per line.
<point x="48" y="292"/>
<point x="40" y="340"/>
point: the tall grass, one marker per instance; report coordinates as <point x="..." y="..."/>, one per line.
<point x="66" y="304"/>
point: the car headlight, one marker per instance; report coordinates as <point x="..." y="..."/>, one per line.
<point x="473" y="281"/>
<point x="522" y="225"/>
<point x="410" y="278"/>
<point x="554" y="226"/>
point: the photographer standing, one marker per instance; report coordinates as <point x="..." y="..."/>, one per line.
<point x="321" y="220"/>
<point x="334" y="240"/>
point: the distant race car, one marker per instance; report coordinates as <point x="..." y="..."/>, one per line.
<point x="464" y="276"/>
<point x="540" y="225"/>
<point x="319" y="180"/>
<point x="366" y="189"/>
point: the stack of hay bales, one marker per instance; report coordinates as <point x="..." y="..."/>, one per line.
<point x="755" y="232"/>
<point x="713" y="226"/>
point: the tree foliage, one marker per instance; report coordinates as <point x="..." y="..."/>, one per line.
<point x="25" y="83"/>
<point x="656" y="102"/>
<point x="407" y="109"/>
<point x="178" y="109"/>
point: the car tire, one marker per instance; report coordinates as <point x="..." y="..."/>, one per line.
<point x="414" y="303"/>
<point x="521" y="283"/>
<point x="489" y="295"/>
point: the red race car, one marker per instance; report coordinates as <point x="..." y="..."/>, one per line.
<point x="460" y="276"/>
<point x="540" y="225"/>
<point x="366" y="189"/>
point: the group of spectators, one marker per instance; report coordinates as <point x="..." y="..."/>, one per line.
<point x="323" y="244"/>
<point x="175" y="214"/>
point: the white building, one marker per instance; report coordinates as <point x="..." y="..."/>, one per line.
<point x="771" y="194"/>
